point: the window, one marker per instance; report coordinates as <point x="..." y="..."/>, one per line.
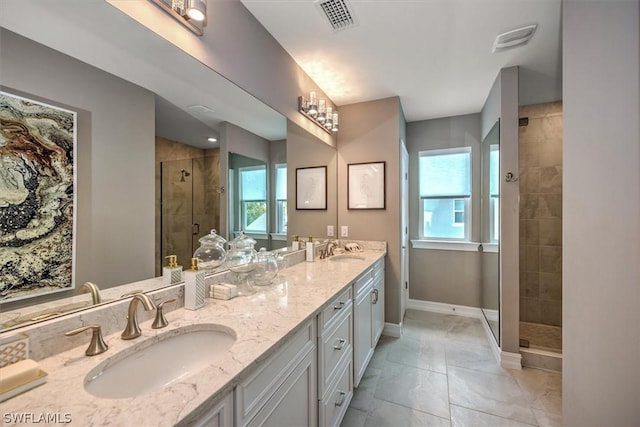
<point x="253" y="198"/>
<point x="445" y="194"/>
<point x="281" y="198"/>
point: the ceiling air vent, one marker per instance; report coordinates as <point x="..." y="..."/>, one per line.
<point x="338" y="13"/>
<point x="514" y="38"/>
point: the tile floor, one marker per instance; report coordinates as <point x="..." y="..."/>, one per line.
<point x="442" y="373"/>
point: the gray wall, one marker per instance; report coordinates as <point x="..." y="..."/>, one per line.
<point x="305" y="150"/>
<point x="370" y="132"/>
<point x="601" y="213"/>
<point x="115" y="157"/>
<point x="452" y="277"/>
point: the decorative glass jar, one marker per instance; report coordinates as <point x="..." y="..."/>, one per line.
<point x="266" y="268"/>
<point x="241" y="259"/>
<point x="211" y="253"/>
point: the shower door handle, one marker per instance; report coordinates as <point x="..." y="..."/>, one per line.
<point x="195" y="229"/>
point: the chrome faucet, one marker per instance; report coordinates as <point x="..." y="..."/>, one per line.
<point x="330" y="247"/>
<point x="132" y="330"/>
<point x="92" y="288"/>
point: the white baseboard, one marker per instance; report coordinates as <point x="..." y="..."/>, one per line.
<point x="439" y="307"/>
<point x="392" y="330"/>
<point x="495" y="349"/>
<point x="510" y="360"/>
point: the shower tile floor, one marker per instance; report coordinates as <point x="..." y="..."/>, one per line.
<point x="442" y="373"/>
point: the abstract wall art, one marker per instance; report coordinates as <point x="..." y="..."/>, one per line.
<point x="37" y="198"/>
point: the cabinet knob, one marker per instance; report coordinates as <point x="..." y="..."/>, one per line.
<point x="340" y="345"/>
<point x="375" y="293"/>
<point x="339" y="305"/>
<point x="341" y="397"/>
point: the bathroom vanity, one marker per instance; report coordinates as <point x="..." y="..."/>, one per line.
<point x="299" y="345"/>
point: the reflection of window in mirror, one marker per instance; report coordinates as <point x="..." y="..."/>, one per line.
<point x="253" y="198"/>
<point x="281" y="198"/>
<point x="445" y="194"/>
<point x="494" y="193"/>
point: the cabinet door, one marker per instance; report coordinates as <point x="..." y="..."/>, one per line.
<point x="362" y="348"/>
<point x="377" y="303"/>
<point x="295" y="402"/>
<point x="221" y="415"/>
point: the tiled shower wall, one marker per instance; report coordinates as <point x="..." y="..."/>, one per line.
<point x="541" y="214"/>
<point x="203" y="209"/>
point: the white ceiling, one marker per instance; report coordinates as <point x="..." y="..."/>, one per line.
<point x="434" y="54"/>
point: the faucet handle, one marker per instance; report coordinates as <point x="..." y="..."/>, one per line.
<point x="97" y="344"/>
<point x="131" y="293"/>
<point x="160" y="321"/>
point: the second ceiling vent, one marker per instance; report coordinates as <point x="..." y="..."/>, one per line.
<point x="338" y="13"/>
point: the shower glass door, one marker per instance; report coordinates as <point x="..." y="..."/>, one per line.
<point x="190" y="205"/>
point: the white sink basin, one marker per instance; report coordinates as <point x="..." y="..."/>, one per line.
<point x="346" y="258"/>
<point x="159" y="362"/>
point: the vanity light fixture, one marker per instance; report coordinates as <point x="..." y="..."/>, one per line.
<point x="318" y="112"/>
<point x="197" y="10"/>
<point x="212" y="139"/>
<point x="190" y="13"/>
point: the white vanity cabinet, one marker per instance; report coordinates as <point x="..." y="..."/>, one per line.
<point x="335" y="359"/>
<point x="282" y="390"/>
<point x="368" y="317"/>
<point x="220" y="416"/>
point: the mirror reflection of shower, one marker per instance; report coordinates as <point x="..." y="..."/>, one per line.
<point x="183" y="173"/>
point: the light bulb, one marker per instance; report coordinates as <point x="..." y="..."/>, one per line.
<point x="335" y="122"/>
<point x="328" y="123"/>
<point x="313" y="104"/>
<point x="322" y="111"/>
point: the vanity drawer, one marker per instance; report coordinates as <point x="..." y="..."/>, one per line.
<point x="333" y="407"/>
<point x="333" y="349"/>
<point x="338" y="306"/>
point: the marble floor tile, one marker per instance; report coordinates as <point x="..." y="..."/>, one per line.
<point x="389" y="414"/>
<point x="465" y="417"/>
<point x="442" y="369"/>
<point x="414" y="388"/>
<point x="354" y="418"/>
<point x="474" y="357"/>
<point x="544" y="389"/>
<point x="424" y="354"/>
<point x="363" y="395"/>
<point x="495" y="394"/>
<point x="545" y="419"/>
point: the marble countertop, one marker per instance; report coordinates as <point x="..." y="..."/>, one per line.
<point x="262" y="322"/>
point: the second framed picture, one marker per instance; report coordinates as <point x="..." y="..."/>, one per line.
<point x="311" y="188"/>
<point x="366" y="184"/>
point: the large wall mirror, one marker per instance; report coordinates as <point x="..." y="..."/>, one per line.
<point x="132" y="120"/>
<point x="491" y="229"/>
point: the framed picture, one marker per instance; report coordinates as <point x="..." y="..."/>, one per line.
<point x="38" y="188"/>
<point x="366" y="184"/>
<point x="311" y="188"/>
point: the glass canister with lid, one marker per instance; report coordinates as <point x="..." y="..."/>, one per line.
<point x="266" y="268"/>
<point x="241" y="259"/>
<point x="211" y="253"/>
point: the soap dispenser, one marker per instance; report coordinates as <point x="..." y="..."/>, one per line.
<point x="295" y="245"/>
<point x="311" y="254"/>
<point x="172" y="272"/>
<point x="194" y="287"/>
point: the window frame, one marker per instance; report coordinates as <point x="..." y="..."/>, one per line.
<point x="467" y="198"/>
<point x="281" y="204"/>
<point x="242" y="203"/>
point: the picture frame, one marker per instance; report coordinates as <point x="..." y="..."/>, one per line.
<point x="311" y="188"/>
<point x="366" y="185"/>
<point x="47" y="246"/>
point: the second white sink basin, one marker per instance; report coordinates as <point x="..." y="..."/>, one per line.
<point x="159" y="362"/>
<point x="346" y="258"/>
